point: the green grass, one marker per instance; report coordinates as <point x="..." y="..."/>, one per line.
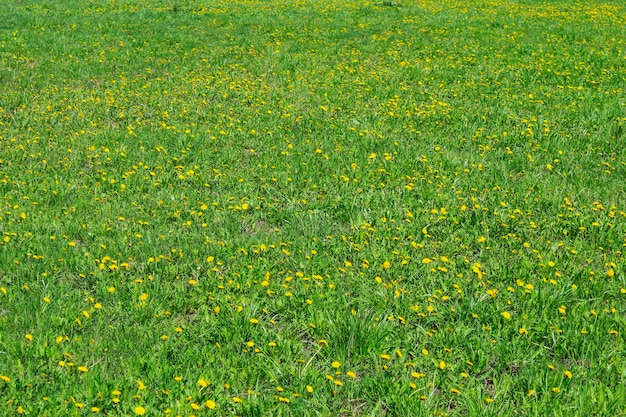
<point x="312" y="208"/>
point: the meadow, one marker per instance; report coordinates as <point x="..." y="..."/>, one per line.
<point x="329" y="207"/>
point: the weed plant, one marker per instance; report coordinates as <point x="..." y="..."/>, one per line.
<point x="312" y="208"/>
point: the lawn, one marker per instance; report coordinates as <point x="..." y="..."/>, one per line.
<point x="329" y="207"/>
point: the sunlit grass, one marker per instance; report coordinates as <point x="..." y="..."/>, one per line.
<point x="312" y="208"/>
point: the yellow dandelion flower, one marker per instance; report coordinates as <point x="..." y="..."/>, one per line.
<point x="139" y="410"/>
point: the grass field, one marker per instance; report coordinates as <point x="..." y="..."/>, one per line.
<point x="326" y="207"/>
